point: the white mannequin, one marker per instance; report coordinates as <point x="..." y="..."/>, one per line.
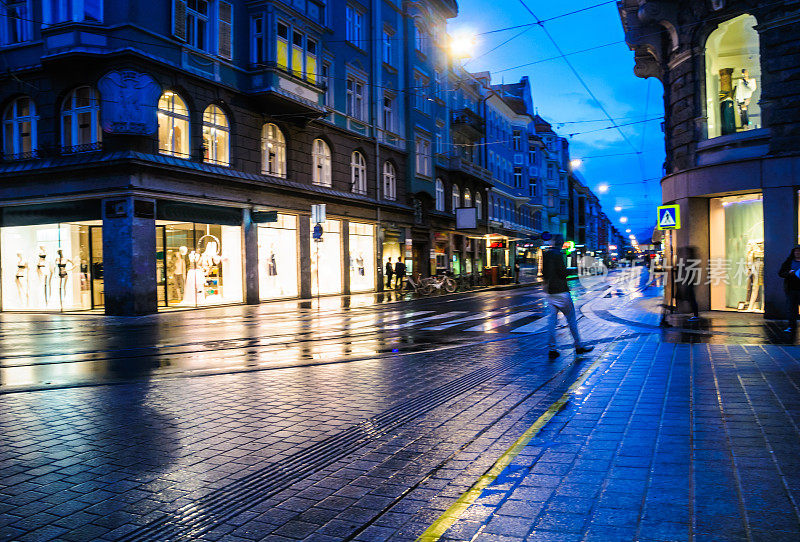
<point x="44" y="273"/>
<point x="21" y="279"/>
<point x="63" y="265"/>
<point x="743" y="93"/>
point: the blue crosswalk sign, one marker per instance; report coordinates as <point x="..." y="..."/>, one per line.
<point x="669" y="217"/>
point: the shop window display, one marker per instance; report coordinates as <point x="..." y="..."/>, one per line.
<point x="277" y="258"/>
<point x="733" y="76"/>
<point x="326" y="260"/>
<point x="198" y="264"/>
<point x="52" y="267"/>
<point x="735" y="270"/>
<point x="362" y="257"/>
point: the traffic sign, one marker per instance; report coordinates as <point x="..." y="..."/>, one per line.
<point x="317" y="235"/>
<point x="669" y="217"/>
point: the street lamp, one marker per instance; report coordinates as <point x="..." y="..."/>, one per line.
<point x="628" y="230"/>
<point x="623" y="219"/>
<point x="603" y="188"/>
<point x="575" y="163"/>
<point x="618" y="208"/>
<point x="462" y="44"/>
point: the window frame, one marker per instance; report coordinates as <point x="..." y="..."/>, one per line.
<point x="23" y="25"/>
<point x="354" y="25"/>
<point x="439" y="190"/>
<point x="356" y="100"/>
<point x="185" y="121"/>
<point x="455" y="197"/>
<point x="272" y="137"/>
<point x="479" y="205"/>
<point x="216" y="131"/>
<point x="321" y="163"/>
<point x="14" y="123"/>
<point x="423" y="156"/>
<point x="358" y="173"/>
<point x="258" y="50"/>
<point x="389" y="181"/>
<point x="73" y="113"/>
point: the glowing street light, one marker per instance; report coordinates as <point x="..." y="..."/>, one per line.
<point x="631" y="236"/>
<point x="623" y="219"/>
<point x="628" y="230"/>
<point x="462" y="44"/>
<point x="575" y="163"/>
<point x="618" y="208"/>
<point x="603" y="188"/>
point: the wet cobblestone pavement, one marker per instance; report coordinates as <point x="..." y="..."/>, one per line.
<point x="439" y="419"/>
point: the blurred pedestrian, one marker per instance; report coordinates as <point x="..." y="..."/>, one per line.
<point x="554" y="274"/>
<point x="790" y="273"/>
<point x="399" y="273"/>
<point x="687" y="257"/>
<point x="389" y="272"/>
<point x="516" y="272"/>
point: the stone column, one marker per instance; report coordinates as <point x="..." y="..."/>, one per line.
<point x="250" y="250"/>
<point x="345" y="257"/>
<point x="695" y="231"/>
<point x="304" y="255"/>
<point x="380" y="278"/>
<point x="129" y="256"/>
<point x="780" y="235"/>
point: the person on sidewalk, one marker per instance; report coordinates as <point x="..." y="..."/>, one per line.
<point x="400" y="273"/>
<point x="790" y="273"/>
<point x="389" y="272"/>
<point x="554" y="275"/>
<point x="516" y="272"/>
<point x="687" y="256"/>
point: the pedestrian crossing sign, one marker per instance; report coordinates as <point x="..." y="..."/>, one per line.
<point x="669" y="217"/>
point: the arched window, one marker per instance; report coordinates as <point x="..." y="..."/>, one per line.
<point x="456" y="200"/>
<point x="273" y="151"/>
<point x="467" y="198"/>
<point x="216" y="136"/>
<point x="173" y="125"/>
<point x="389" y="181"/>
<point x="358" y="173"/>
<point x="439" y="195"/>
<point x="80" y="120"/>
<point x="733" y="77"/>
<point x="19" y="128"/>
<point x="321" y="155"/>
<point x="479" y="205"/>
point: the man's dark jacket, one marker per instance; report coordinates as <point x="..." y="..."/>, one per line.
<point x="790" y="281"/>
<point x="554" y="272"/>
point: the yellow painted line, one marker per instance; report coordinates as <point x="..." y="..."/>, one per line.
<point x="451" y="515"/>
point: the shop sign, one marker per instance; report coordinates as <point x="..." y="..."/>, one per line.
<point x="669" y="217"/>
<point x="264" y="217"/>
<point x="497" y="244"/>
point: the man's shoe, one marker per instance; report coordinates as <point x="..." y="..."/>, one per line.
<point x="693" y="319"/>
<point x="584" y="349"/>
<point x="553" y="354"/>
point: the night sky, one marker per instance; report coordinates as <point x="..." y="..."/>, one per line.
<point x="560" y="98"/>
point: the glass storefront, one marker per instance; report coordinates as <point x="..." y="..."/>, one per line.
<point x="198" y="264"/>
<point x="362" y="257"/>
<point x="277" y="258"/>
<point x="326" y="259"/>
<point x="52" y="267"/>
<point x="735" y="270"/>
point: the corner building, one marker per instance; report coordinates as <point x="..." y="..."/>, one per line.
<point x="730" y="72"/>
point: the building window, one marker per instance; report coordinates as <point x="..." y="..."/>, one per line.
<point x="327" y="81"/>
<point x="551" y="171"/>
<point x="282" y="47"/>
<point x="358" y="173"/>
<point x="16" y="23"/>
<point x="517" y="139"/>
<point x="479" y="205"/>
<point x="419" y="38"/>
<point x="439" y="145"/>
<point x="517" y="177"/>
<point x="19" y="128"/>
<point x="389" y="181"/>
<point x="60" y="11"/>
<point x="321" y="155"/>
<point x="197" y="24"/>
<point x="173" y="125"/>
<point x="311" y="61"/>
<point x="467" y="198"/>
<point x="216" y="136"/>
<point x="301" y="61"/>
<point x="355" y="99"/>
<point x="297" y="54"/>
<point x="355" y="25"/>
<point x="733" y="77"/>
<point x="456" y="198"/>
<point x="257" y="40"/>
<point x="273" y="151"/>
<point x="388" y="113"/>
<point x="387" y="47"/>
<point x="439" y="195"/>
<point x="80" y="120"/>
<point x="423" y="155"/>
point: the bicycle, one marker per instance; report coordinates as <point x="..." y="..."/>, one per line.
<point x="420" y="286"/>
<point x="441" y="283"/>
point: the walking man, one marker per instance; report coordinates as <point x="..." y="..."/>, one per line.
<point x="389" y="272"/>
<point x="554" y="274"/>
<point x="790" y="273"/>
<point x="399" y="273"/>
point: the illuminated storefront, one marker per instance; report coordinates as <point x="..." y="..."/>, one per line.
<point x="52" y="267"/>
<point x="326" y="260"/>
<point x="362" y="257"/>
<point x="277" y="258"/>
<point x="735" y="270"/>
<point x="198" y="264"/>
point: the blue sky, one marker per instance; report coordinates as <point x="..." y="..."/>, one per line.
<point x="560" y="98"/>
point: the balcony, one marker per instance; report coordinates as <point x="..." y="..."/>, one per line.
<point x="467" y="123"/>
<point x="458" y="163"/>
<point x="283" y="91"/>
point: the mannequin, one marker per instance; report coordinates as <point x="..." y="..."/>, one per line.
<point x="755" y="273"/>
<point x="179" y="271"/>
<point x="726" y="110"/>
<point x="193" y="288"/>
<point x="63" y="267"/>
<point x="43" y="272"/>
<point x="745" y="87"/>
<point x="209" y="262"/>
<point x="21" y="279"/>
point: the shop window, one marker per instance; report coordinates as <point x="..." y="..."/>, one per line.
<point x="198" y="264"/>
<point x="216" y="136"/>
<point x="389" y="181"/>
<point x="273" y="151"/>
<point x="733" y="77"/>
<point x="321" y="155"/>
<point x="19" y="129"/>
<point x="456" y="199"/>
<point x="277" y="258"/>
<point x="173" y="125"/>
<point x="479" y="205"/>
<point x="358" y="173"/>
<point x="52" y="267"/>
<point x="362" y="257"/>
<point x="439" y="195"/>
<point x="16" y="22"/>
<point x="80" y="120"/>
<point x="735" y="267"/>
<point x="326" y="259"/>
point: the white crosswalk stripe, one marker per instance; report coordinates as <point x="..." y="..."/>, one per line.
<point x="417" y="321"/>
<point x="458" y="321"/>
<point x="494" y="323"/>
